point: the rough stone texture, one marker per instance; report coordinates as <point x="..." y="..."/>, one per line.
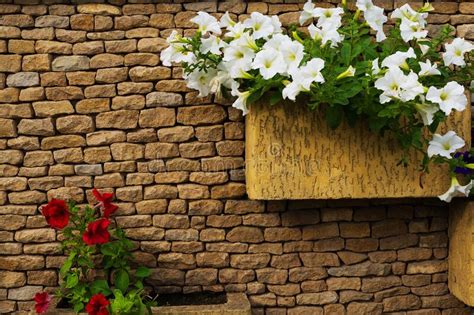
<point x="85" y="101"/>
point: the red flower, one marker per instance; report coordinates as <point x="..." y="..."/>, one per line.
<point x="97" y="305"/>
<point x="105" y="201"/>
<point x="42" y="300"/>
<point x="56" y="213"/>
<point x="97" y="232"/>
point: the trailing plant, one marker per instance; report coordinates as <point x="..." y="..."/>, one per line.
<point x="343" y="62"/>
<point x="96" y="276"/>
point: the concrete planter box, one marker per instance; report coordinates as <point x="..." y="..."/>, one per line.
<point x="461" y="251"/>
<point x="291" y="153"/>
<point x="237" y="304"/>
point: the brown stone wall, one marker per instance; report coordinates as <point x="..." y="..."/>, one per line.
<point x="85" y="102"/>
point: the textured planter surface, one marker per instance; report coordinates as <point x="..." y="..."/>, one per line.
<point x="291" y="153"/>
<point x="461" y="251"/>
<point x="237" y="304"/>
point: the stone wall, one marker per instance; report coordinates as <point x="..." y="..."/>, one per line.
<point x="85" y="102"/>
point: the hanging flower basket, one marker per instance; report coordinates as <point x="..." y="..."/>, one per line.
<point x="461" y="251"/>
<point x="338" y="107"/>
<point x="292" y="153"/>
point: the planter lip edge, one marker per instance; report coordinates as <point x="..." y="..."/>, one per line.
<point x="235" y="301"/>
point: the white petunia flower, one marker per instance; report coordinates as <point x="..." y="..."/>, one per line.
<point x="412" y="30"/>
<point x="412" y="22"/>
<point x="207" y="23"/>
<point x="176" y="51"/>
<point x="303" y="77"/>
<point x="450" y="97"/>
<point x="375" y="67"/>
<point x="456" y="190"/>
<point x="364" y="5"/>
<point x="391" y="84"/>
<point x="277" y="42"/>
<point x="328" y="18"/>
<point x="455" y="52"/>
<point x="445" y="145"/>
<point x="407" y="14"/>
<point x="297" y="86"/>
<point x="201" y="81"/>
<point x="325" y="35"/>
<point x="307" y="13"/>
<point x="212" y="44"/>
<point x="312" y="70"/>
<point x="261" y="25"/>
<point x="241" y="101"/>
<point x="398" y="59"/>
<point x="376" y="19"/>
<point x="221" y="79"/>
<point x="426" y="111"/>
<point x="424" y="48"/>
<point x="411" y="88"/>
<point x="236" y="53"/>
<point x="292" y="53"/>
<point x="269" y="62"/>
<point x="235" y="31"/>
<point x="239" y="70"/>
<point x="396" y="85"/>
<point x="276" y="24"/>
<point x="428" y="69"/>
<point x="226" y="21"/>
<point x="246" y="40"/>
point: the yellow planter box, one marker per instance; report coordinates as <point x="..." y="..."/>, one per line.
<point x="461" y="251"/>
<point x="291" y="153"/>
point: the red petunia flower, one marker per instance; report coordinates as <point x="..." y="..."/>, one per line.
<point x="105" y="202"/>
<point x="97" y="232"/>
<point x="97" y="305"/>
<point x="56" y="213"/>
<point x="42" y="300"/>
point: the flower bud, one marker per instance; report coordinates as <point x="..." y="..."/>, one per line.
<point x="350" y="72"/>
<point x="427" y="7"/>
<point x="297" y="37"/>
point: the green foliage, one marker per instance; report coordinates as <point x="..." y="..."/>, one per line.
<point x="125" y="292"/>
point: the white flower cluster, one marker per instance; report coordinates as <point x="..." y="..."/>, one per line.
<point x="259" y="47"/>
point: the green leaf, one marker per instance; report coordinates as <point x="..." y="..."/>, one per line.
<point x="346" y="53"/>
<point x="72" y="280"/>
<point x="255" y="96"/>
<point x="122" y="280"/>
<point x="108" y="249"/>
<point x="67" y="264"/>
<point x="275" y="98"/>
<point x="334" y="116"/>
<point x="100" y="286"/>
<point x="142" y="272"/>
<point x="78" y="307"/>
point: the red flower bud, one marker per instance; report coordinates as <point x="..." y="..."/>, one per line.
<point x="97" y="305"/>
<point x="97" y="232"/>
<point x="56" y="213"/>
